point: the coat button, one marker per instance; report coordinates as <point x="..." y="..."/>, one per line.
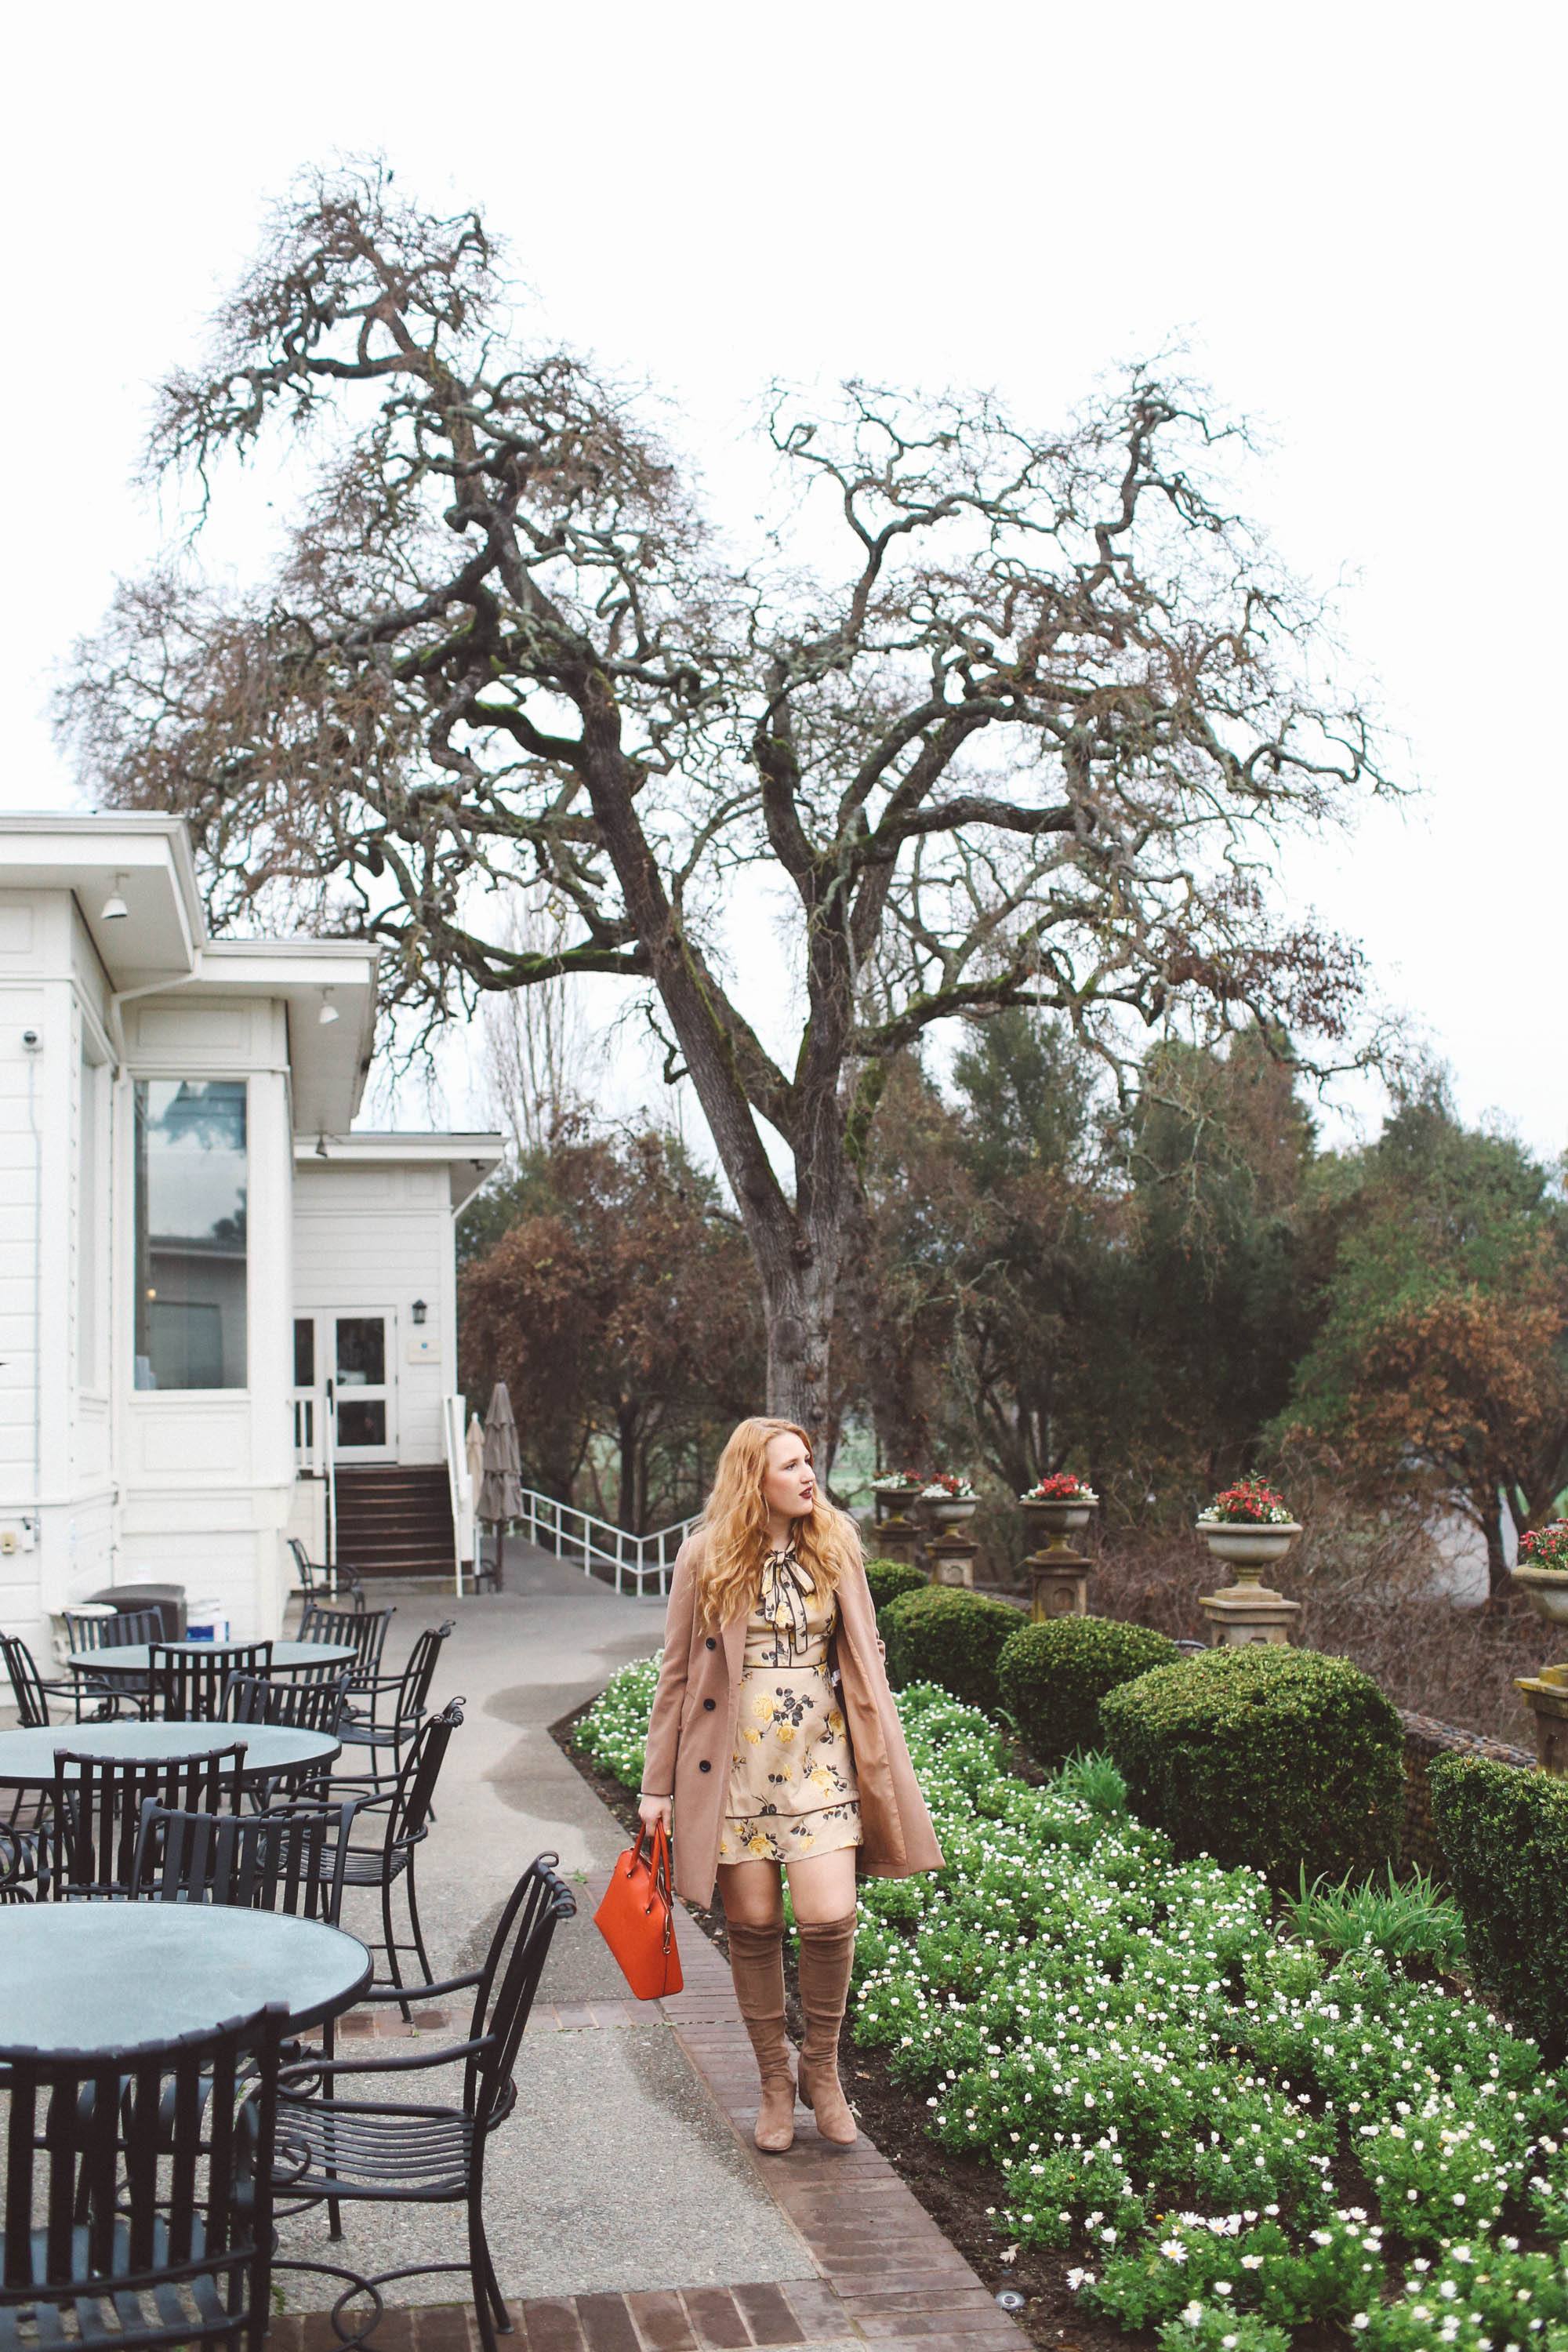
<point x="712" y="1644"/>
<point x="709" y="1705"/>
<point x="705" y="1766"/>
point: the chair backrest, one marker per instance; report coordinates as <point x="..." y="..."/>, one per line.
<point x="96" y="1812"/>
<point x="313" y="1703"/>
<point x="414" y="1691"/>
<point x="140" y="2182"/>
<point x="362" y="1630"/>
<point x="306" y="1568"/>
<point x="188" y="1683"/>
<point x="507" y="1986"/>
<point x="124" y="1629"/>
<point x="292" y="1861"/>
<point x="408" y="1815"/>
<point x="26" y="1684"/>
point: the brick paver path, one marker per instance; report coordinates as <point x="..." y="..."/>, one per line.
<point x="888" y="2276"/>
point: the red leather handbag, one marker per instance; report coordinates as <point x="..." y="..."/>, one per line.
<point x="636" y="1918"/>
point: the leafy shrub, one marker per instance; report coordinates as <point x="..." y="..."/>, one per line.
<point x="944" y="1634"/>
<point x="1406" y="1919"/>
<point x="1272" y="1757"/>
<point x="890" y="1578"/>
<point x="1504" y="1835"/>
<point x="1050" y="1679"/>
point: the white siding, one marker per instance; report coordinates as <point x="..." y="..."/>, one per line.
<point x="381" y="1236"/>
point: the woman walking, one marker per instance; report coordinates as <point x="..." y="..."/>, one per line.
<point x="775" y="1736"/>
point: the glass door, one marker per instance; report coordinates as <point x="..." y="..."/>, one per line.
<point x="361" y="1360"/>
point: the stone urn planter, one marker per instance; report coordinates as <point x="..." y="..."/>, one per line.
<point x="894" y="1502"/>
<point x="1249" y="1549"/>
<point x="1250" y="1528"/>
<point x="950" y="1511"/>
<point x="1058" y="1573"/>
<point x="1546" y="1590"/>
<point x="1051" y="1523"/>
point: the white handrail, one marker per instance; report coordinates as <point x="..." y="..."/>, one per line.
<point x="459" y="1484"/>
<point x="554" y="1525"/>
<point x="329" y="1473"/>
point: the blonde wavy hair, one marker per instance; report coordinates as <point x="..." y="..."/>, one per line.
<point x="735" y="1524"/>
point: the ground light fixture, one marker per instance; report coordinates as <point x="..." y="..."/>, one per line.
<point x="114" y="908"/>
<point x="329" y="1010"/>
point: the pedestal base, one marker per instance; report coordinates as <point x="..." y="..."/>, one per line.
<point x="951" y="1558"/>
<point x="900" y="1538"/>
<point x="1247" y="1612"/>
<point x="1546" y="1696"/>
<point x="1058" y="1583"/>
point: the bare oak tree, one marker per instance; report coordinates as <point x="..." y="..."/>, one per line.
<point x="1017" y="718"/>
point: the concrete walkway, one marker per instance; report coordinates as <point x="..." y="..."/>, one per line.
<point x="627" y="2209"/>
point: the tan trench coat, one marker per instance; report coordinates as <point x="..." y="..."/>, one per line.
<point x="691" y="1734"/>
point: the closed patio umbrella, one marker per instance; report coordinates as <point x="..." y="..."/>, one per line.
<point x="501" y="1487"/>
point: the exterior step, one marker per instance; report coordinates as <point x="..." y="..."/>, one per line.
<point x="395" y="1521"/>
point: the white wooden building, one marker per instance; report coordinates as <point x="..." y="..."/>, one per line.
<point x="219" y="1307"/>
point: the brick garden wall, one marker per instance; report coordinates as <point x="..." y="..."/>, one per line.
<point x="1425" y="1740"/>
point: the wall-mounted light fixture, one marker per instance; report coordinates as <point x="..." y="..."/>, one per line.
<point x="114" y="908"/>
<point x="420" y="1310"/>
<point x="329" y="1010"/>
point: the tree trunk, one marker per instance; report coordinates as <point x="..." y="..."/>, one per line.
<point x="797" y="1301"/>
<point x="1498" y="1579"/>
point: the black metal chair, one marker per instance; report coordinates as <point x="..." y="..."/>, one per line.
<point x="407" y="1701"/>
<point x="291" y="1861"/>
<point x="188" y="1683"/>
<point x="362" y="1631"/>
<point x="324" y="1584"/>
<point x="357" y="2151"/>
<point x="18" y="1865"/>
<point x="28" y="1688"/>
<point x="301" y="1703"/>
<point x="402" y="1813"/>
<point x="126" y="1629"/>
<point x="95" y="1814"/>
<point x="139" y="2191"/>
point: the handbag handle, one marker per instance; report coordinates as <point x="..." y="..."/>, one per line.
<point x="659" y="1862"/>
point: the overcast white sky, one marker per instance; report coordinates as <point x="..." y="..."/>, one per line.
<point x="1351" y="212"/>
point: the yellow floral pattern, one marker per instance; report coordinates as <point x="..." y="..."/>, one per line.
<point x="792" y="1777"/>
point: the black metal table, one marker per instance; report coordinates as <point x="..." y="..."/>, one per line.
<point x="136" y="1658"/>
<point x="108" y="1976"/>
<point x="273" y="1752"/>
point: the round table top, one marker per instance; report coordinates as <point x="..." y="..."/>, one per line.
<point x="27" y="1758"/>
<point x="136" y="1658"/>
<point x="107" y="1976"/>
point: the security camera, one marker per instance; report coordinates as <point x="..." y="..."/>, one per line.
<point x="31" y="1042"/>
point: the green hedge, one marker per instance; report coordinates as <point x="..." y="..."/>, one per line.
<point x="1504" y="1835"/>
<point x="947" y="1635"/>
<point x="888" y="1578"/>
<point x="1051" y="1679"/>
<point x="1277" y="1758"/>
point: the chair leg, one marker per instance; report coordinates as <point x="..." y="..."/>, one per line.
<point x="488" y="2309"/>
<point x="414" y="1923"/>
<point x="393" y="1971"/>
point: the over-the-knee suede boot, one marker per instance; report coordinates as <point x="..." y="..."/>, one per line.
<point x="827" y="1958"/>
<point x="756" y="1964"/>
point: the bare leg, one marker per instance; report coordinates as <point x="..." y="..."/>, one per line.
<point x="754" y="1918"/>
<point x="822" y="1888"/>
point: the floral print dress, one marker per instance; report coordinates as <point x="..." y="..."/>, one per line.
<point x="793" y="1789"/>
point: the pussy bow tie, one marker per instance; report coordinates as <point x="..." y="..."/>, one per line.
<point x="786" y="1588"/>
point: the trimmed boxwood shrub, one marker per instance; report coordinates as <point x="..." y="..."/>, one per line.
<point x="947" y="1635"/>
<point x="1504" y="1835"/>
<point x="1277" y="1758"/>
<point x="888" y="1578"/>
<point x="1050" y="1679"/>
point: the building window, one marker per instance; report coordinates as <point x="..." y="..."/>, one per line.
<point x="191" y="1182"/>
